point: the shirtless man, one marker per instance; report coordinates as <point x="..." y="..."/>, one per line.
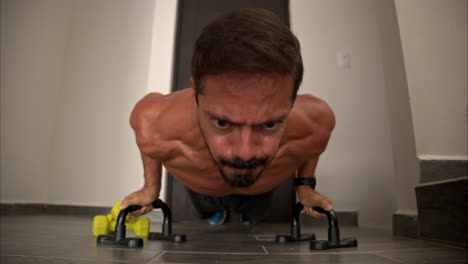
<point x="239" y="130"/>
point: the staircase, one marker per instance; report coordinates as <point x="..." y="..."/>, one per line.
<point x="442" y="201"/>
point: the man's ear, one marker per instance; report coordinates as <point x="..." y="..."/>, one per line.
<point x="192" y="86"/>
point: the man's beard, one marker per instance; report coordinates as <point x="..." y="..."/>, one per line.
<point x="246" y="178"/>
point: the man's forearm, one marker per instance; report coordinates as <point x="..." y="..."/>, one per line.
<point x="307" y="170"/>
<point x="306" y="192"/>
<point x="152" y="173"/>
<point x="150" y="191"/>
<point x="307" y="175"/>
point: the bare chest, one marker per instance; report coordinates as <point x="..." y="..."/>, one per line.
<point x="196" y="169"/>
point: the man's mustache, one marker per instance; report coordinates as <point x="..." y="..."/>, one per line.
<point x="238" y="163"/>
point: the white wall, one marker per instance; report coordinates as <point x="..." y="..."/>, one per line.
<point x="73" y="70"/>
<point x="33" y="40"/>
<point x="434" y="39"/>
<point x="406" y="164"/>
<point x="106" y="68"/>
<point x="71" y="73"/>
<point x="162" y="53"/>
<point x="357" y="171"/>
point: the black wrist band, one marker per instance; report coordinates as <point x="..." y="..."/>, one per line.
<point x="305" y="181"/>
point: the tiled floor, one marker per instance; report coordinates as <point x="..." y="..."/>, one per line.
<point x="66" y="239"/>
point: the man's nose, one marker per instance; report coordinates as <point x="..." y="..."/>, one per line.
<point x="245" y="146"/>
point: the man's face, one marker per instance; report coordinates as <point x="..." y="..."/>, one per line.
<point x="243" y="117"/>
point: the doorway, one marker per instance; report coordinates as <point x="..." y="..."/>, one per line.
<point x="192" y="16"/>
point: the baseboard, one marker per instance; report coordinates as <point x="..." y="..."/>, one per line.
<point x="7" y="209"/>
<point x="31" y="208"/>
<point x="345" y="218"/>
<point x="405" y="223"/>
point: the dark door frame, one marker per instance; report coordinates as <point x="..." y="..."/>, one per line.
<point x="192" y="15"/>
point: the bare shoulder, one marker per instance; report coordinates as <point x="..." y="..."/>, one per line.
<point x="156" y="119"/>
<point x="312" y="121"/>
<point x="146" y="110"/>
<point x="316" y="111"/>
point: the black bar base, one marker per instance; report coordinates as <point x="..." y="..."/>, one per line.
<point x="119" y="239"/>
<point x="296" y="235"/>
<point x="174" y="238"/>
<point x="286" y="238"/>
<point x="333" y="234"/>
<point x="324" y="244"/>
<point x="124" y="242"/>
<point x="166" y="232"/>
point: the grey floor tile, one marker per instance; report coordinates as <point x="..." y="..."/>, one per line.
<point x="369" y="240"/>
<point x="83" y="251"/>
<point x="59" y="239"/>
<point x="177" y="257"/>
<point x="7" y="259"/>
<point x="68" y="239"/>
<point x="206" y="238"/>
<point x="434" y="255"/>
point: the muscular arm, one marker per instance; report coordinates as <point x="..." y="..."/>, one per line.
<point x="322" y="123"/>
<point x="141" y="120"/>
<point x="150" y="190"/>
<point x="308" y="196"/>
<point x="152" y="171"/>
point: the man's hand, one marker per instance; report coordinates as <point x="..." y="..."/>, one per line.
<point x="310" y="198"/>
<point x="144" y="197"/>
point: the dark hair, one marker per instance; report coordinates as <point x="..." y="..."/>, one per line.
<point x="247" y="40"/>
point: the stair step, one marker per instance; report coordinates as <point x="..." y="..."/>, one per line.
<point x="443" y="209"/>
<point x="437" y="170"/>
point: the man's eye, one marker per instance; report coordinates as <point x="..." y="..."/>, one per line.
<point x="221" y="123"/>
<point x="270" y="125"/>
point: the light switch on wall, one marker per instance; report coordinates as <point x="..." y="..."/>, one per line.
<point x="343" y="60"/>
